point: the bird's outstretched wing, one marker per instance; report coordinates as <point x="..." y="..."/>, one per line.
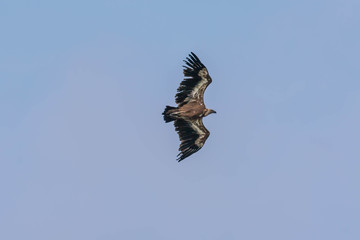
<point x="196" y="80"/>
<point x="192" y="134"/>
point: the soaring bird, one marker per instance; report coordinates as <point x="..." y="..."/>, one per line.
<point x="188" y="115"/>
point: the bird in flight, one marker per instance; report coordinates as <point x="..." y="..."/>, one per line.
<point x="188" y="115"/>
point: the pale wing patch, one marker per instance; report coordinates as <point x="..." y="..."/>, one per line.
<point x="201" y="130"/>
<point x="198" y="90"/>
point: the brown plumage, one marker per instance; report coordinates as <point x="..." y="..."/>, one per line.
<point x="188" y="115"/>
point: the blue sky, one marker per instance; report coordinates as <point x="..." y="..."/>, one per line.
<point x="85" y="154"/>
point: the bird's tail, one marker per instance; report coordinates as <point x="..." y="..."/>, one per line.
<point x="167" y="113"/>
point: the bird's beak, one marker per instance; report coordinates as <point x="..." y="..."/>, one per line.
<point x="213" y="111"/>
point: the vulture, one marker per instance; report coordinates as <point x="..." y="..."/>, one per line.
<point x="190" y="110"/>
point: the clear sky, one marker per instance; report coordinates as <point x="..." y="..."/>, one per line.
<point x="84" y="151"/>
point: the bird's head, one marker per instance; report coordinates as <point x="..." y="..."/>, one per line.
<point x="209" y="111"/>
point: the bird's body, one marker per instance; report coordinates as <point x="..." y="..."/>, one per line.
<point x="190" y="110"/>
<point x="187" y="116"/>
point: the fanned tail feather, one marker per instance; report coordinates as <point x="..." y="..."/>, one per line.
<point x="167" y="114"/>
